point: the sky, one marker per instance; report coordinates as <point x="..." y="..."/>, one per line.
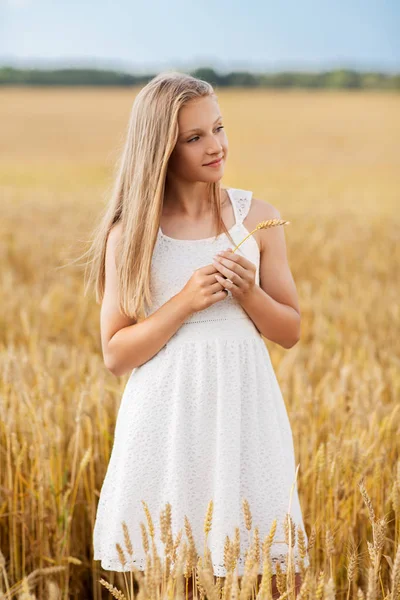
<point x="147" y="36"/>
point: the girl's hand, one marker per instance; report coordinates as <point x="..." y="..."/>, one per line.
<point x="237" y="273"/>
<point x="202" y="290"/>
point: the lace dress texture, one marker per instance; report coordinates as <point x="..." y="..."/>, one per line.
<point x="203" y="419"/>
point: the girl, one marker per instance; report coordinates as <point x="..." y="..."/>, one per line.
<point x="202" y="416"/>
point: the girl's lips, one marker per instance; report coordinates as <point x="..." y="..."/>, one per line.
<point x="214" y="164"/>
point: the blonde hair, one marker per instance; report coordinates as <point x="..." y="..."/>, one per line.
<point x="138" y="191"/>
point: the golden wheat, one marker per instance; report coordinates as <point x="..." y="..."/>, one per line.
<point x="337" y="180"/>
<point x="262" y="225"/>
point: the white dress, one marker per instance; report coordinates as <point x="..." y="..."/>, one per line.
<point x="202" y="419"/>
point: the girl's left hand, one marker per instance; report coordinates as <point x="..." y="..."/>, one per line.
<point x="239" y="273"/>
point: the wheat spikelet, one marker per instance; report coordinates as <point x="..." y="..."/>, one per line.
<point x="285" y="595"/>
<point x="248" y="581"/>
<point x="127" y="539"/>
<point x="301" y="542"/>
<point x="192" y="551"/>
<point x="168" y="515"/>
<point x="305" y="588"/>
<point x="227" y="553"/>
<point x="157" y="570"/>
<point x="34" y="575"/>
<point x="262" y="225"/>
<point x="256" y="541"/>
<point x="206" y="580"/>
<point x="178" y="570"/>
<point x="113" y="590"/>
<point x="219" y="587"/>
<point x="271" y="223"/>
<point x="367" y="501"/>
<point x="247" y="514"/>
<point x="352" y="566"/>
<point x="226" y="588"/>
<point x="396" y="576"/>
<point x="163" y="526"/>
<point x="270" y="537"/>
<point x="289" y="524"/>
<point x="234" y="589"/>
<point x="85" y="459"/>
<point x="371" y="590"/>
<point x="208" y="519"/>
<point x="280" y="578"/>
<point x="380" y="535"/>
<point x="197" y="577"/>
<point x="250" y="567"/>
<point x="360" y="594"/>
<point x="371" y="552"/>
<point x="149" y="519"/>
<point x="175" y="545"/>
<point x="265" y="592"/>
<point x="312" y="538"/>
<point x="145" y="538"/>
<point x="73" y="560"/>
<point x="320" y="586"/>
<point x="236" y="543"/>
<point x="121" y="555"/>
<point x="396" y="497"/>
<point x="208" y="560"/>
<point x="232" y="556"/>
<point x="149" y="577"/>
<point x="330" y="546"/>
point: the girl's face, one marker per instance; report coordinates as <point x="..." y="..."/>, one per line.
<point x="201" y="140"/>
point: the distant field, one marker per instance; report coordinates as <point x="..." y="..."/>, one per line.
<point x="330" y="161"/>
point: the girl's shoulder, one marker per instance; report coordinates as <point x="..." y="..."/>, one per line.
<point x="249" y="206"/>
<point x="254" y="211"/>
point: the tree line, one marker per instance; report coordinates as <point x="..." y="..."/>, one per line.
<point x="336" y="79"/>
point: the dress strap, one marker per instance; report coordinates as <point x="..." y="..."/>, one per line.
<point x="242" y="202"/>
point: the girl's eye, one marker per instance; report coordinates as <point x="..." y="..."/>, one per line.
<point x="191" y="140"/>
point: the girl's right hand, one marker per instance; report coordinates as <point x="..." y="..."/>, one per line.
<point x="202" y="289"/>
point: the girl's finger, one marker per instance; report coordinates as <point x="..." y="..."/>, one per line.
<point x="225" y="282"/>
<point x="232" y="275"/>
<point x="231" y="267"/>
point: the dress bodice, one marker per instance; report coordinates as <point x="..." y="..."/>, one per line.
<point x="174" y="261"/>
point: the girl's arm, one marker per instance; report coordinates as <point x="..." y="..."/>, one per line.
<point x="127" y="344"/>
<point x="274" y="305"/>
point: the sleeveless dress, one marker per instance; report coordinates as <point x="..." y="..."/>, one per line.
<point x="203" y="419"/>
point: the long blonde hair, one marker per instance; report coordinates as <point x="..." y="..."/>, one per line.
<point x="138" y="191"/>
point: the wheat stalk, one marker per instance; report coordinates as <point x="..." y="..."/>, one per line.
<point x="263" y="225"/>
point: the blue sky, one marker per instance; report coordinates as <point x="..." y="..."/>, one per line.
<point x="267" y="35"/>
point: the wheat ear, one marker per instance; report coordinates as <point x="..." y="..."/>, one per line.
<point x="263" y="225"/>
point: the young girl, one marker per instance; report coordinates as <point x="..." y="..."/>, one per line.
<point x="202" y="416"/>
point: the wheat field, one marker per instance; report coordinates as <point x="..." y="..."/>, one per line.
<point x="330" y="162"/>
